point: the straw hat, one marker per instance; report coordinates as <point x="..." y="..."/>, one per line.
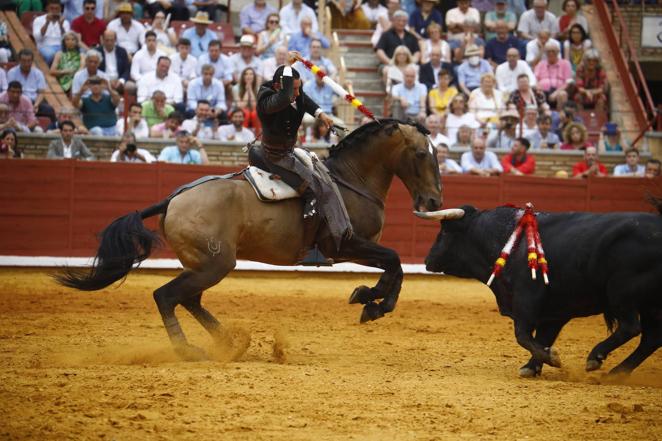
<point x="471" y="50"/>
<point x="510" y="113"/>
<point x="201" y="17"/>
<point x="125" y="7"/>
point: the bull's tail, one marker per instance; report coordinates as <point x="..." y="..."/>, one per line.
<point x="655" y="202"/>
<point x="124" y="243"/>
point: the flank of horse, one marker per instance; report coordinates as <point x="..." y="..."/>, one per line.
<point x="212" y="225"/>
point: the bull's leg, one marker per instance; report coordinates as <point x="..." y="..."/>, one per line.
<point x="628" y="328"/>
<point x="369" y="253"/>
<point x="524" y="335"/>
<point x="651" y="340"/>
<point x="546" y="334"/>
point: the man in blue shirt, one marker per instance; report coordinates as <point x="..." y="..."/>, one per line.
<point x="300" y="41"/>
<point x="182" y="152"/>
<point x="33" y="82"/>
<point x="409" y="97"/>
<point x="470" y="71"/>
<point x="207" y="88"/>
<point x="497" y="47"/>
<point x="323" y="95"/>
<point x="200" y="36"/>
<point x="222" y="65"/>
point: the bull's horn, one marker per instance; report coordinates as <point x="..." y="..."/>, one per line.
<point x="447" y="214"/>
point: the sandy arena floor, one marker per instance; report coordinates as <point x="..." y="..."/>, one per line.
<point x="444" y="366"/>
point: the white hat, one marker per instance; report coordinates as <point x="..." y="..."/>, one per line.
<point x="247" y="40"/>
<point x="201" y="17"/>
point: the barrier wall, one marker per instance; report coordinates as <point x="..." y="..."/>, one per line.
<point x="55" y="208"/>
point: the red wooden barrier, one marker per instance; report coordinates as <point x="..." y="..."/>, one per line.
<point x="55" y="208"/>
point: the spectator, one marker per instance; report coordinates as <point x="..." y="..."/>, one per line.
<point x="270" y="64"/>
<point x="98" y="108"/>
<point x="127" y="30"/>
<point x="270" y="38"/>
<point x="575" y="137"/>
<point x="222" y="66"/>
<point x="553" y="75"/>
<point x="456" y="17"/>
<point x="9" y="145"/>
<point x="253" y="16"/>
<point x="202" y="125"/>
<point x="653" y="168"/>
<point x="508" y="74"/>
<point x="610" y="139"/>
<point x="423" y="16"/>
<point x="244" y="95"/>
<point x="433" y="124"/>
<point x="518" y="161"/>
<point x="479" y="162"/>
<point x="48" y="30"/>
<point x="165" y="38"/>
<point x="535" y="49"/>
<point x="200" y="36"/>
<point x="162" y="79"/>
<point x="317" y="59"/>
<point x="504" y="138"/>
<point x="571" y="16"/>
<point x="544" y="138"/>
<point x="91" y="69"/>
<point x="32" y="81"/>
<point x="576" y="46"/>
<point x="21" y="111"/>
<point x="537" y="19"/>
<point x="434" y="42"/>
<point x="560" y="120"/>
<point x="373" y="9"/>
<point x="498" y="48"/>
<point x="591" y="79"/>
<point x="211" y="7"/>
<point x="156" y="110"/>
<point x="470" y="38"/>
<point x="131" y="153"/>
<point x="500" y="13"/>
<point x="429" y="72"/>
<point x="486" y="102"/>
<point x="463" y="138"/>
<point x="529" y="124"/>
<point x="183" y="63"/>
<point x="88" y="27"/>
<point x="5" y="46"/>
<point x="589" y="166"/>
<point x="447" y="166"/>
<point x="3" y="80"/>
<point x="115" y="62"/>
<point x="207" y="88"/>
<point x="322" y="95"/>
<point x="292" y="14"/>
<point x="9" y="122"/>
<point x="394" y="73"/>
<point x="347" y="14"/>
<point x="67" y="146"/>
<point x="169" y="128"/>
<point x="396" y="36"/>
<point x="235" y="131"/>
<point x="320" y="133"/>
<point x="67" y="62"/>
<point x="136" y="124"/>
<point x="524" y="96"/>
<point x="384" y="21"/>
<point x="471" y="70"/>
<point x="408" y="97"/>
<point x="183" y="153"/>
<point x="458" y="116"/>
<point x="245" y="58"/>
<point x="441" y="96"/>
<point x="631" y="168"/>
<point x="144" y="61"/>
<point x="300" y="41"/>
<point x="27" y="5"/>
<point x="66" y="114"/>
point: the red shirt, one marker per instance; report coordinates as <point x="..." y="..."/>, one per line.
<point x="89" y="32"/>
<point x="526" y="165"/>
<point x="582" y="166"/>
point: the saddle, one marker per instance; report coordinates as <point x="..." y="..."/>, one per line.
<point x="269" y="188"/>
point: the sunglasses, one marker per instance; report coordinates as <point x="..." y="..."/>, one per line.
<point x="90" y="8"/>
<point x="274" y="21"/>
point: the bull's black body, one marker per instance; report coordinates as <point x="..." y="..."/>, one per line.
<point x="598" y="263"/>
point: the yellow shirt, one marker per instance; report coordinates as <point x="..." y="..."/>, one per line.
<point x="438" y="102"/>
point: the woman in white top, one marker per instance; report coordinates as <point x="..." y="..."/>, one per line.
<point x="458" y="116"/>
<point x="576" y="45"/>
<point x="486" y="102"/>
<point x="166" y="39"/>
<point x="394" y="72"/>
<point x="271" y="37"/>
<point x="435" y="41"/>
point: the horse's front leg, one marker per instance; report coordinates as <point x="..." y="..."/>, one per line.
<point x="388" y="287"/>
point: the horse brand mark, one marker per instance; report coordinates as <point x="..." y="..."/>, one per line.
<point x="214" y="247"/>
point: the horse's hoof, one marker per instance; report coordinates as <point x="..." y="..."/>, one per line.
<point x="554" y="359"/>
<point x="528" y="372"/>
<point x="191" y="353"/>
<point x="362" y="295"/>
<point x="593" y="365"/>
<point x="371" y="311"/>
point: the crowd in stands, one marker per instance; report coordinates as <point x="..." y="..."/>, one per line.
<point x="482" y="76"/>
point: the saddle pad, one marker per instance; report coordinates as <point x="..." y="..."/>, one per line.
<point x="266" y="188"/>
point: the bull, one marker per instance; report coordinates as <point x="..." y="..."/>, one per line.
<point x="608" y="264"/>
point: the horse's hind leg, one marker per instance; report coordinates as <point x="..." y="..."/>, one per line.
<point x="651" y="340"/>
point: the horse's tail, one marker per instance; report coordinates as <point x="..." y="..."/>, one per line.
<point x="124" y="243"/>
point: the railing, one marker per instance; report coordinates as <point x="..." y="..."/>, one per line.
<point x="629" y="68"/>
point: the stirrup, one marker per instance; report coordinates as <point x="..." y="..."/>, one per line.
<point x="314" y="257"/>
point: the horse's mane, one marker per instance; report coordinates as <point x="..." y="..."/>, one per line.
<point x="358" y="136"/>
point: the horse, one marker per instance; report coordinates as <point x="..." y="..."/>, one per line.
<point x="211" y="225"/>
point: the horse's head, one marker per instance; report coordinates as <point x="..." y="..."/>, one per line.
<point x="415" y="163"/>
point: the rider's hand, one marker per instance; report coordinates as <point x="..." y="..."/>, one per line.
<point x="326" y="119"/>
<point x="293" y="57"/>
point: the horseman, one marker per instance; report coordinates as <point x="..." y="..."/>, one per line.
<point x="281" y="105"/>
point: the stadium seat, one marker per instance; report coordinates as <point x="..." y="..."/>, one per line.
<point x="27" y="18"/>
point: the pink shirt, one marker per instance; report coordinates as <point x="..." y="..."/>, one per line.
<point x="553" y="76"/>
<point x="23" y="113"/>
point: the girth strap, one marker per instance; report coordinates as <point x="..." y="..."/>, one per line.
<point x="358" y="191"/>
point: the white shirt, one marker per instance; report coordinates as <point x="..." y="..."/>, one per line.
<point x="454" y="122"/>
<point x="66" y="149"/>
<point x="530" y="25"/>
<point x="268" y="68"/>
<point x="205" y="132"/>
<point x="440" y="139"/>
<point x="456" y="17"/>
<point x="222" y="66"/>
<point x="184" y="68"/>
<point x="111" y="63"/>
<point x="143" y="62"/>
<point x="290" y="20"/>
<point x="483" y="107"/>
<point x="228" y="131"/>
<point x="372" y="14"/>
<point x="490" y="160"/>
<point x="149" y="158"/>
<point x="129" y="40"/>
<point x="624" y="170"/>
<point x="171" y="85"/>
<point x="507" y="77"/>
<point x="451" y="165"/>
<point x="239" y="64"/>
<point x="533" y="49"/>
<point x="141" y="131"/>
<point x="53" y="35"/>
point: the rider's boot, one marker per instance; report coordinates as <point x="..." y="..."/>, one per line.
<point x="311" y="220"/>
